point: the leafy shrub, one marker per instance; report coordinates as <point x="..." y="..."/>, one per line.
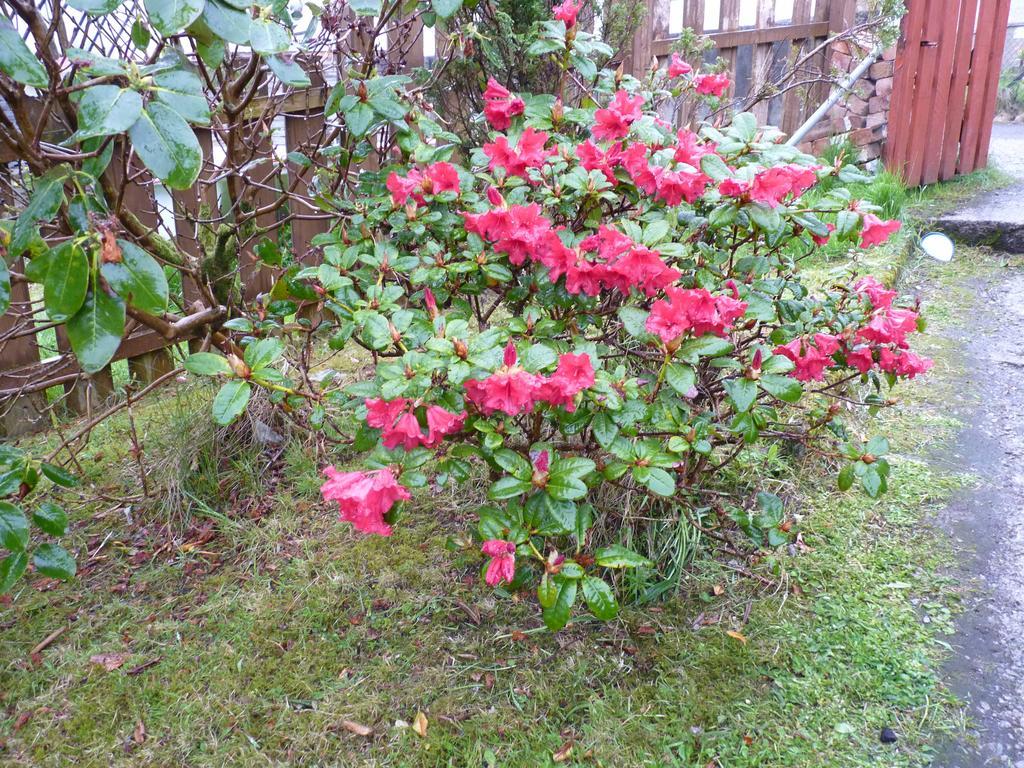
<point x="589" y="301"/>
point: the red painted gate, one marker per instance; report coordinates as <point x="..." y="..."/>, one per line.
<point x="944" y="92"/>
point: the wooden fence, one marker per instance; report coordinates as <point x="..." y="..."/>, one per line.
<point x="759" y="38"/>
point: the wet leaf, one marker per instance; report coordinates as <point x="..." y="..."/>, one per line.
<point x="419" y="725"/>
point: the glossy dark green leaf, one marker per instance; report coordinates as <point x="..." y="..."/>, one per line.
<point x="13" y="527"/>
<point x="600" y="598"/>
<point x="171" y="16"/>
<point x="96" y="64"/>
<point x="260" y="354"/>
<point x="742" y="392"/>
<point x="67" y="280"/>
<point x="267" y="36"/>
<point x="95" y="7"/>
<point x="44" y="203"/>
<point x="658" y="481"/>
<point x="547" y="591"/>
<point x="95" y="330"/>
<point x="845" y="479"/>
<point x="182" y="91"/>
<point x="681" y="378"/>
<point x="11" y="569"/>
<point x="359" y="118"/>
<point x="874" y="483"/>
<point x="446" y="8"/>
<point x="211" y="52"/>
<point x="786" y="388"/>
<point x="288" y="71"/>
<point x="138" y="278"/>
<point x="617" y="556"/>
<point x="507" y="488"/>
<point x="58" y="475"/>
<point x="207" y="364"/>
<point x="167" y="145"/>
<point x="230" y="401"/>
<point x="226" y="22"/>
<point x="140" y="34"/>
<point x="51" y="519"/>
<point x="95" y="166"/>
<point x="557" y="616"/>
<point x="54" y="561"/>
<point x="17" y="61"/>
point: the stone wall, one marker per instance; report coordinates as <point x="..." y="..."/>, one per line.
<point x="863" y="114"/>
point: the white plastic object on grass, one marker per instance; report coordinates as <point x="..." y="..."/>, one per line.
<point x="938" y="246"/>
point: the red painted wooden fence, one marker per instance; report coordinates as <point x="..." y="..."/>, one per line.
<point x="944" y="93"/>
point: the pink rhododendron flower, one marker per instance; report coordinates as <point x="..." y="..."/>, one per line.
<point x="711" y="85"/>
<point x="675" y="186"/>
<point x="574" y="374"/>
<point x="436" y="178"/>
<point x="810" y="360"/>
<point x="502" y="566"/>
<point x="510" y="389"/>
<point x="405" y="432"/>
<point x="400" y="426"/>
<point x="678" y="67"/>
<point x="889" y="326"/>
<point x="903" y="363"/>
<point x="773" y="185"/>
<point x="733" y="187"/>
<point x="500" y="106"/>
<point x="634" y="160"/>
<point x="862" y="358"/>
<point x="440" y="424"/>
<point x="528" y="153"/>
<point x="382" y="414"/>
<point x="567" y="12"/>
<point x="876" y="231"/>
<point x="693" y="310"/>
<point x="624" y="265"/>
<point x="690" y="149"/>
<point x="593" y="158"/>
<point x="879" y="296"/>
<point x="614" y="121"/>
<point x="364" y="497"/>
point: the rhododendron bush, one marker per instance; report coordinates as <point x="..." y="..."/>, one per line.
<point x="591" y="304"/>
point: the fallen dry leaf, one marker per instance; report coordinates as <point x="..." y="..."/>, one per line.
<point x="419" y="724"/>
<point x="357" y="728"/>
<point x="110" y="661"/>
<point x="563" y="752"/>
<point x="22" y="719"/>
<point x="139" y="736"/>
<point x="736" y="636"/>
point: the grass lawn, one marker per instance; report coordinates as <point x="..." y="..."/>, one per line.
<point x="249" y="628"/>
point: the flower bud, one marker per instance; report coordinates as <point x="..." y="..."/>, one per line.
<point x="494" y="197"/>
<point x="461" y="350"/>
<point x="557" y="111"/>
<point x="428" y="299"/>
<point x="239" y="367"/>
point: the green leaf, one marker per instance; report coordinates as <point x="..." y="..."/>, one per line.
<point x="226" y="22"/>
<point x="873" y="482"/>
<point x="167" y="145"/>
<point x="847" y="223"/>
<point x="17" y="61"/>
<point x="365" y="7"/>
<point x="634" y="320"/>
<point x="657" y="480"/>
<point x="605" y="430"/>
<point x="95" y="330"/>
<point x="600" y="598"/>
<point x="11" y="568"/>
<point x="5" y="287"/>
<point x="446" y="8"/>
<point x="742" y="392"/>
<point x="171" y="16"/>
<point x="182" y="91"/>
<point x="547" y="591"/>
<point x="50" y="519"/>
<point x="95" y="7"/>
<point x="288" y="71"/>
<point x="230" y="401"/>
<point x="267" y="36"/>
<point x="207" y="364"/>
<point x="786" y="388"/>
<point x="137" y="278"/>
<point x="513" y="463"/>
<point x="54" y="561"/>
<point x="508" y="487"/>
<point x="359" y="118"/>
<point x="260" y="354"/>
<point x="715" y="167"/>
<point x="47" y="198"/>
<point x="846" y="478"/>
<point x="617" y="556"/>
<point x="58" y="475"/>
<point x="557" y="616"/>
<point x="877" y="446"/>
<point x="13" y="527"/>
<point x="105" y="110"/>
<point x="67" y="280"/>
<point x="212" y="51"/>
